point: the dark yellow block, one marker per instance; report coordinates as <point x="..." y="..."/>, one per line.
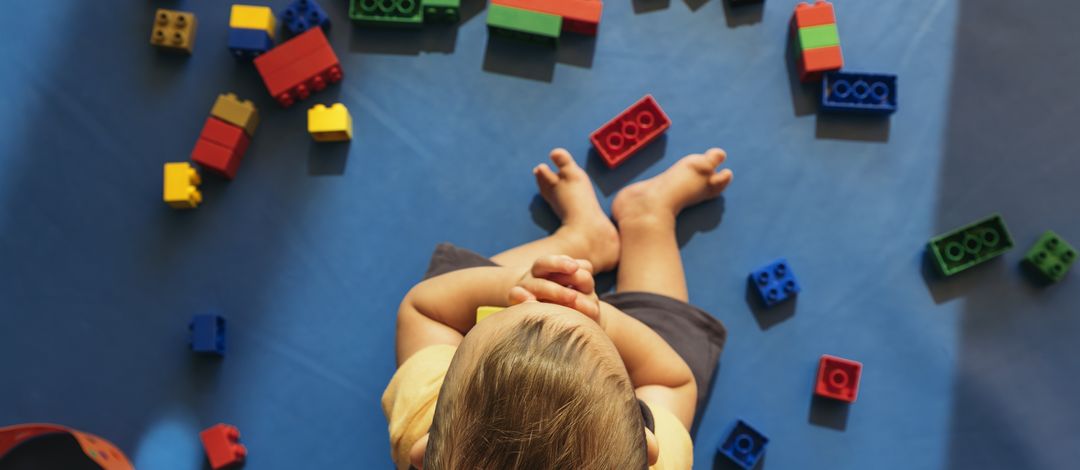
<point x="240" y="113"/>
<point x="174" y="30"/>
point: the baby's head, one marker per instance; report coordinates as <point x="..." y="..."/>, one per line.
<point x="537" y="386"/>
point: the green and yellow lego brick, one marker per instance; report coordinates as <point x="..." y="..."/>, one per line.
<point x="181" y="186"/>
<point x="487" y="311"/>
<point x="815" y="37"/>
<point x="253" y="17"/>
<point x="240" y="113"/>
<point x="387" y="12"/>
<point x="1051" y="256"/>
<point x="525" y="24"/>
<point x="333" y="124"/>
<point x="441" y="10"/>
<point x="174" y="30"/>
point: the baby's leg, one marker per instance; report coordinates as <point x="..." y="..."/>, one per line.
<point x="586" y="232"/>
<point x="646" y="213"/>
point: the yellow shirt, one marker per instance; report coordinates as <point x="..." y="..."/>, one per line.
<point x="409" y="405"/>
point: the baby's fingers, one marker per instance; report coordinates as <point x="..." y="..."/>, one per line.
<point x="548" y="291"/>
<point x="520" y="295"/>
<point x="550" y="264"/>
<point x="581" y="281"/>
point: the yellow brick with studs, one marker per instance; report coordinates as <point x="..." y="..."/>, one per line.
<point x="331" y="124"/>
<point x="253" y="17"/>
<point x="181" y="186"/>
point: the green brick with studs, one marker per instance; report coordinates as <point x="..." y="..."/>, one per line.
<point x="1051" y="256"/>
<point x="970" y="245"/>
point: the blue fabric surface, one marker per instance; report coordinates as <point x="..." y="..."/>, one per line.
<point x="310" y="249"/>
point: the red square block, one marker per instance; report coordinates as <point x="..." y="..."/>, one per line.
<point x="300" y="66"/>
<point x="838" y="378"/>
<point x="220" y="147"/>
<point x="631" y="130"/>
<point x="222" y="444"/>
<point x="820" y="13"/>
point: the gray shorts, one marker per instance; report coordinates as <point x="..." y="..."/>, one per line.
<point x="697" y="336"/>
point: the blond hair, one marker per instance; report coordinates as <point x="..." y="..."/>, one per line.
<point x="538" y="398"/>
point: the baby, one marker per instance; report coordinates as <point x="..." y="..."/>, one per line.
<point x="561" y="379"/>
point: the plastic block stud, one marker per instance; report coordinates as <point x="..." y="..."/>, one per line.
<point x="253" y="17"/>
<point x="220" y="147"/>
<point x="174" y="30"/>
<point x="302" y="15"/>
<point x="295" y="69"/>
<point x="970" y="245"/>
<point x="1051" y="256"/>
<point x="838" y="378"/>
<point x="578" y="16"/>
<point x="631" y="130"/>
<point x="814" y="29"/>
<point x="222" y="445"/>
<point x="485" y="311"/>
<point x="858" y="92"/>
<point x="207" y="334"/>
<point x="524" y="24"/>
<point x="240" y="113"/>
<point x="333" y="124"/>
<point x="775" y="282"/>
<point x="247" y="44"/>
<point x="446" y="11"/>
<point x="386" y="12"/>
<point x="744" y="445"/>
<point x="182" y="186"/>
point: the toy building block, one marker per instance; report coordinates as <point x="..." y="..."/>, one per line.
<point x="1051" y="256"/>
<point x="578" y="16"/>
<point x="220" y="147"/>
<point x="298" y="67"/>
<point x="858" y="92"/>
<point x="631" y="130"/>
<point x="485" y="311"/>
<point x="207" y="334"/>
<point x="174" y="30"/>
<point x="387" y="12"/>
<point x="814" y="29"/>
<point x="247" y="44"/>
<point x="253" y="17"/>
<point x="222" y="445"/>
<point x="524" y="24"/>
<point x="447" y="11"/>
<point x="744" y="445"/>
<point x="302" y="15"/>
<point x="240" y="113"/>
<point x="838" y="378"/>
<point x="775" y="282"/>
<point x="970" y="245"/>
<point x="331" y="124"/>
<point x="744" y="2"/>
<point x="182" y="186"/>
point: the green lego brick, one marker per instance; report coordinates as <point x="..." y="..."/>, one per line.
<point x="970" y="245"/>
<point x="1051" y="256"/>
<point x="386" y="12"/>
<point x="816" y="37"/>
<point x="441" y="10"/>
<point x="525" y="24"/>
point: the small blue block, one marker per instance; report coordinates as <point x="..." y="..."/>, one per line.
<point x="207" y="334"/>
<point x="744" y="445"/>
<point x="246" y="44"/>
<point x="302" y="15"/>
<point x="858" y="92"/>
<point x="775" y="282"/>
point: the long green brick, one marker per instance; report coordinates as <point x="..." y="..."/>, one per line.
<point x="386" y="12"/>
<point x="524" y="23"/>
<point x="970" y="245"/>
<point x="818" y="36"/>
<point x="1051" y="256"/>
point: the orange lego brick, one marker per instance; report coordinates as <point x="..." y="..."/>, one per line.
<point x="818" y="14"/>
<point x="813" y="62"/>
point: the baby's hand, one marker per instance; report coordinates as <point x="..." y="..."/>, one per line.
<point x="559" y="279"/>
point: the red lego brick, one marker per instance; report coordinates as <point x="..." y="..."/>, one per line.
<point x="813" y="62"/>
<point x="225" y="134"/>
<point x="300" y="66"/>
<point x="838" y="378"/>
<point x="216" y="158"/>
<point x="223" y="449"/>
<point x="820" y="13"/>
<point x="631" y="130"/>
<point x="579" y="16"/>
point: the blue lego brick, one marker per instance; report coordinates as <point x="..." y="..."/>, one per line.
<point x="871" y="93"/>
<point x="302" y="15"/>
<point x="775" y="282"/>
<point x="207" y="334"/>
<point x="246" y="44"/>
<point x="744" y="445"/>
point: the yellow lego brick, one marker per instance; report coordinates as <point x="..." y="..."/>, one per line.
<point x="331" y="124"/>
<point x="253" y="17"/>
<point x="174" y="30"/>
<point x="240" y="113"/>
<point x="181" y="186"/>
<point x="487" y="311"/>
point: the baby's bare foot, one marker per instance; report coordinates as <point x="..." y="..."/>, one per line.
<point x="572" y="197"/>
<point x="691" y="180"/>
